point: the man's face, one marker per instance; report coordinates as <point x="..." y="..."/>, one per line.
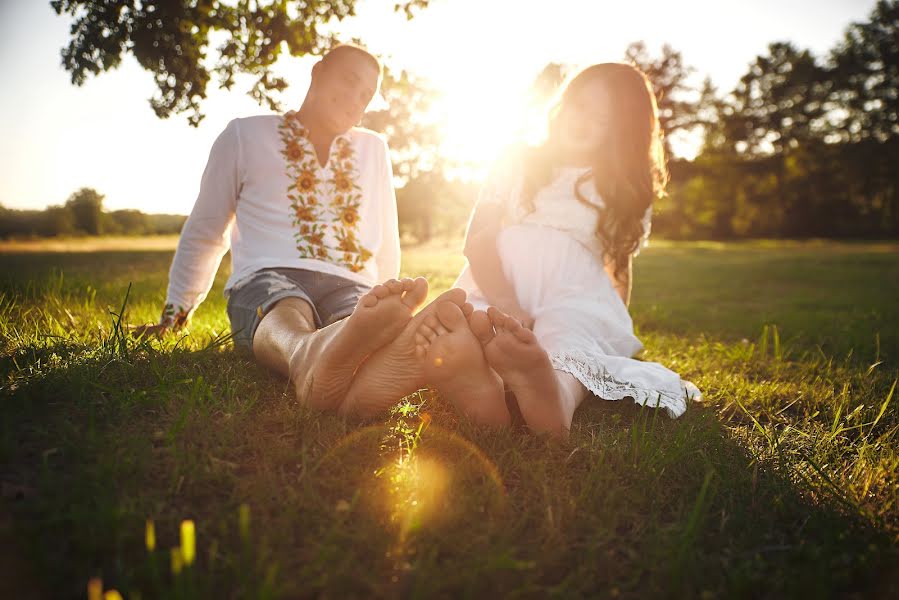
<point x="343" y="87"/>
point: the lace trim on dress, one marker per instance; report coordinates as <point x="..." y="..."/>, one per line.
<point x="597" y="378"/>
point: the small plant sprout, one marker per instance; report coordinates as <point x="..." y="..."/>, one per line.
<point x="243" y="521"/>
<point x="95" y="589"/>
<point x="188" y="542"/>
<point x="150" y="535"/>
<point x="177" y="561"/>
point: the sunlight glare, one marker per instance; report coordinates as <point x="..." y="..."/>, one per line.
<point x="417" y="485"/>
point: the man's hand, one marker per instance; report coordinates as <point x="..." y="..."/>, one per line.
<point x="149" y="329"/>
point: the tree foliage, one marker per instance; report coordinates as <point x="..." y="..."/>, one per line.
<point x="171" y="38"/>
<point x="412" y="134"/>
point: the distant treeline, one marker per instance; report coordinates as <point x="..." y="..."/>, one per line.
<point x="83" y="214"/>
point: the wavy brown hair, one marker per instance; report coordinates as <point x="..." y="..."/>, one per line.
<point x="628" y="171"/>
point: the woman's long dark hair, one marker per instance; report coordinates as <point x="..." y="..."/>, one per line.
<point x="628" y="171"/>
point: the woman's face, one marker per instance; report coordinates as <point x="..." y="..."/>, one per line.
<point x="584" y="122"/>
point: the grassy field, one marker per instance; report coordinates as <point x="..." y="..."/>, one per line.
<point x="784" y="482"/>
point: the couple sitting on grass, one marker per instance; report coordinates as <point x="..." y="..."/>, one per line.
<point x="536" y="321"/>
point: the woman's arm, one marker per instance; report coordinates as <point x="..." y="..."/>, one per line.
<point x="621" y="282"/>
<point x="485" y="263"/>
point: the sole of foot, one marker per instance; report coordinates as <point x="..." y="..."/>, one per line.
<point x="339" y="349"/>
<point x="515" y="354"/>
<point x="454" y="363"/>
<point x="395" y="370"/>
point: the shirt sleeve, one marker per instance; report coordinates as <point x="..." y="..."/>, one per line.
<point x="388" y="256"/>
<point x="205" y="236"/>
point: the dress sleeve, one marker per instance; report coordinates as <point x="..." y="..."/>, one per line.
<point x="388" y="257"/>
<point x="205" y="236"/>
<point x="498" y="187"/>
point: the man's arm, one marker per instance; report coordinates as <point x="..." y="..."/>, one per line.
<point x="204" y="238"/>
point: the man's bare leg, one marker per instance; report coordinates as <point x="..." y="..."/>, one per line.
<point x="454" y="363"/>
<point x="281" y="330"/>
<point x="395" y="370"/>
<point x="321" y="363"/>
<point x="514" y="352"/>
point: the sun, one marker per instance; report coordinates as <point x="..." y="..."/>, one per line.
<point x="481" y="119"/>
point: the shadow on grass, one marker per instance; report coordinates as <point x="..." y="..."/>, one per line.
<point x="634" y="505"/>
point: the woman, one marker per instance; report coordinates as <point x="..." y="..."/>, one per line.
<point x="549" y="247"/>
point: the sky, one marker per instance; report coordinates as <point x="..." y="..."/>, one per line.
<point x="481" y="54"/>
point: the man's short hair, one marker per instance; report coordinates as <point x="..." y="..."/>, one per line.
<point x="357" y="51"/>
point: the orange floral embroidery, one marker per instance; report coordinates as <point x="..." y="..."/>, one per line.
<point x="349" y="217"/>
<point x="313" y="218"/>
<point x="304" y="213"/>
<point x="342" y="182"/>
<point x="293" y="151"/>
<point x="175" y="319"/>
<point x="306" y="181"/>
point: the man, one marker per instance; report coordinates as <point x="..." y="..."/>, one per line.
<point x="306" y="203"/>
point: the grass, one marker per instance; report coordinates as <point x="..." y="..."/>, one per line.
<point x="783" y="483"/>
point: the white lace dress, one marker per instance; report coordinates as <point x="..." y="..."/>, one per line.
<point x="554" y="262"/>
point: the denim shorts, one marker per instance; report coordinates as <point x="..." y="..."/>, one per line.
<point x="331" y="297"/>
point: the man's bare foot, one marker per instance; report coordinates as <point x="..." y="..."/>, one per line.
<point x="336" y="351"/>
<point x="514" y="353"/>
<point x="454" y="363"/>
<point x="393" y="371"/>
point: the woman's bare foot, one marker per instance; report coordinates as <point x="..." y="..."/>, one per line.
<point x="454" y="363"/>
<point x="393" y="371"/>
<point x="335" y="352"/>
<point x="514" y="353"/>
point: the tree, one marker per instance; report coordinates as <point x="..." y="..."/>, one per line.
<point x="867" y="91"/>
<point x="781" y="101"/>
<point x="408" y="123"/>
<point x="867" y="74"/>
<point x="86" y="206"/>
<point x="547" y="83"/>
<point x="170" y="39"/>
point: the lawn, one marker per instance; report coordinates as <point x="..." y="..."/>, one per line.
<point x="783" y="482"/>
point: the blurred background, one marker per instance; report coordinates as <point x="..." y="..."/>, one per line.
<point x="781" y="118"/>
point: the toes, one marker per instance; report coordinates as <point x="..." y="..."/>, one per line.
<point x="525" y="335"/>
<point x="455" y="295"/>
<point x="431" y="321"/>
<point x="380" y="291"/>
<point x="370" y="299"/>
<point x="451" y="316"/>
<point x="481" y="326"/>
<point x="416" y="292"/>
<point x="512" y="325"/>
<point x="427" y="332"/>
<point x="467" y="309"/>
<point x="497" y="317"/>
<point x="395" y="286"/>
